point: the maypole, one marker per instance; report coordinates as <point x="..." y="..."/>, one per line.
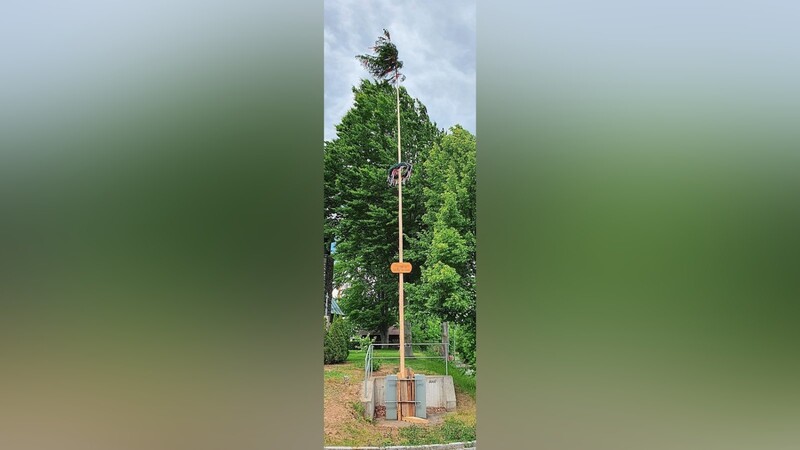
<point x="400" y="235"/>
<point x="386" y="66"/>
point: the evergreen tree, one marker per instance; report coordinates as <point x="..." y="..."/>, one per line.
<point x="439" y="209"/>
<point x="360" y="211"/>
<point x="337" y="337"/>
<point x="385" y="64"/>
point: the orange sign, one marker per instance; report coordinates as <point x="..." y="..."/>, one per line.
<point x="401" y="267"/>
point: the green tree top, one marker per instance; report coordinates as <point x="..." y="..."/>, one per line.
<point x="385" y="63"/>
<point x="361" y="210"/>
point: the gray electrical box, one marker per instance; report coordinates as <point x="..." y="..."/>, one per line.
<point x="390" y="397"/>
<point x="419" y="387"/>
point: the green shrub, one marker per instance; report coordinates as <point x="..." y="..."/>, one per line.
<point x="463" y="343"/>
<point x="352" y="344"/>
<point x="363" y="342"/>
<point x="416" y="435"/>
<point x="336" y="342"/>
<point x="376" y="365"/>
<point x="454" y="430"/>
<point x="358" y="410"/>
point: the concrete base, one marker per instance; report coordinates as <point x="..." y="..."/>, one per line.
<point x="439" y="393"/>
<point x="367" y="400"/>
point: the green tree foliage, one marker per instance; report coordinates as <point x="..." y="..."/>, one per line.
<point x="446" y="243"/>
<point x="438" y="209"/>
<point x="361" y="209"/>
<point x="385" y="63"/>
<point x="463" y="342"/>
<point x="337" y="338"/>
<point x="426" y="328"/>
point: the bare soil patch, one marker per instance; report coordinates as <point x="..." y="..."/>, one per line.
<point x="344" y="423"/>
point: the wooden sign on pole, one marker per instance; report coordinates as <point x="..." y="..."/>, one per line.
<point x="401" y="267"/>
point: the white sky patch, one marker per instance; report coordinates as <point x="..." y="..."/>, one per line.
<point x="436" y="41"/>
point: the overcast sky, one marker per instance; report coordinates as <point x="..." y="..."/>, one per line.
<point x="436" y="41"/>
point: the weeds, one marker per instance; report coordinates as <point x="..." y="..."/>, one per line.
<point x="334" y="375"/>
<point x="358" y="410"/>
<point x="452" y="430"/>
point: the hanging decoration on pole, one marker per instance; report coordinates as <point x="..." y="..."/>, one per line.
<point x="399" y="172"/>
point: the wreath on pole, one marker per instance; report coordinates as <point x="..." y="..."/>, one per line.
<point x="399" y="172"/>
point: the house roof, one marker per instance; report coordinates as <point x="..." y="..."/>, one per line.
<point x="393" y="331"/>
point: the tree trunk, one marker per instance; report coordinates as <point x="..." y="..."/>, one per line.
<point x="445" y="338"/>
<point x="328" y="271"/>
<point x="407" y="328"/>
<point x="384" y="336"/>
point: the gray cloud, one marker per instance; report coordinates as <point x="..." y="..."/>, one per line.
<point x="436" y="41"/>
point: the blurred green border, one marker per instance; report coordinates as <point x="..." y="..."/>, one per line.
<point x="637" y="234"/>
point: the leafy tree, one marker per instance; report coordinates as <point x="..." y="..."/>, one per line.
<point x="439" y="209"/>
<point x="329" y="234"/>
<point x="328" y="276"/>
<point x="463" y="342"/>
<point x="361" y="209"/>
<point x="446" y="288"/>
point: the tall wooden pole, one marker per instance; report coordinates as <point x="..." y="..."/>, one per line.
<point x="400" y="232"/>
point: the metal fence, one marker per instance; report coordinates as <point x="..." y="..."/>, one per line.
<point x="423" y="347"/>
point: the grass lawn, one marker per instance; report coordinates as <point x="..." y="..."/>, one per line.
<point x="344" y="421"/>
<point x="462" y="382"/>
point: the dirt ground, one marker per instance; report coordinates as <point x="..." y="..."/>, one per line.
<point x="433" y="419"/>
<point x="344" y="423"/>
<point x="339" y="393"/>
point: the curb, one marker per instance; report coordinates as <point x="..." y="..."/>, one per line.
<point x="452" y="446"/>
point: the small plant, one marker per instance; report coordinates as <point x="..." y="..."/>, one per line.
<point x="415" y="435"/>
<point x="376" y="365"/>
<point x="358" y="409"/>
<point x="334" y="374"/>
<point x="454" y="430"/>
<point x="336" y="339"/>
<point x="364" y="342"/>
